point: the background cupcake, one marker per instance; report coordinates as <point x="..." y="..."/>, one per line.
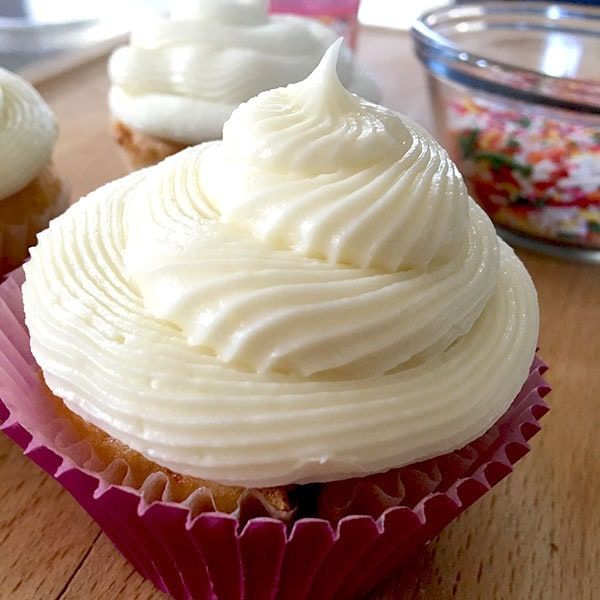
<point x="30" y="191"/>
<point x="179" y="79"/>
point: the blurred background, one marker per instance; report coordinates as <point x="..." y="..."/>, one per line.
<point x="40" y="30"/>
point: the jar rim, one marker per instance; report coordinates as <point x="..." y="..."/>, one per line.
<point x="446" y="59"/>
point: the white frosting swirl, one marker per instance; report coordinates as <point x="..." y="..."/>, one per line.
<point x="181" y="78"/>
<point x="28" y="132"/>
<point x="248" y="313"/>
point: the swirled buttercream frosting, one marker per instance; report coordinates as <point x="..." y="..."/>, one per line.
<point x="181" y="77"/>
<point x="27" y="133"/>
<point x="315" y="297"/>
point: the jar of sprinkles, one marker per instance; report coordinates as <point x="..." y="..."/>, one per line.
<point x="516" y="97"/>
<point x="533" y="173"/>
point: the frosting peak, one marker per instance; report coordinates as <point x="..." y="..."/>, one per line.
<point x="323" y="86"/>
<point x="298" y="128"/>
<point x="28" y="132"/>
<point x="315" y="169"/>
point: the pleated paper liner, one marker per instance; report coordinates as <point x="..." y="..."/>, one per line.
<point x="364" y="531"/>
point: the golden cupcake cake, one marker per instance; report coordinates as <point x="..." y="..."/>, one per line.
<point x="313" y="299"/>
<point x="31" y="193"/>
<point x="180" y="78"/>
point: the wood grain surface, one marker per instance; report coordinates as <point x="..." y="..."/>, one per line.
<point x="535" y="536"/>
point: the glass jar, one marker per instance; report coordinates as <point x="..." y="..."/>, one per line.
<point x="515" y="91"/>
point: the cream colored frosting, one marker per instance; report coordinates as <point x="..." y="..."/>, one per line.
<point x="28" y="132"/>
<point x="181" y="78"/>
<point x="313" y="298"/>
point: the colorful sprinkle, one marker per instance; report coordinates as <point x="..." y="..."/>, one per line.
<point x="530" y="172"/>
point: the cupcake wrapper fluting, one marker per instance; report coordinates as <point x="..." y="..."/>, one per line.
<point x="195" y="555"/>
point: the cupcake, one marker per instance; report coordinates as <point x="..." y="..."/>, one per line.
<point x="180" y="78"/>
<point x="31" y="193"/>
<point x="277" y="364"/>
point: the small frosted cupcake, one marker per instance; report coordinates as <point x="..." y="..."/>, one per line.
<point x="180" y="78"/>
<point x="30" y="191"/>
<point x="309" y="318"/>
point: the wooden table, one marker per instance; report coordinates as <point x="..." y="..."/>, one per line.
<point x="536" y="536"/>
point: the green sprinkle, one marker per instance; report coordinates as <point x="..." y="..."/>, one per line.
<point x="497" y="161"/>
<point x="524" y="121"/>
<point x="468" y="143"/>
<point x="593" y="226"/>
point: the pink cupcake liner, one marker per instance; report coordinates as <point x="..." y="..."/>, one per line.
<point x="192" y="554"/>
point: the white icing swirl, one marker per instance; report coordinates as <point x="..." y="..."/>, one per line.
<point x="181" y="78"/>
<point x="306" y="320"/>
<point x="28" y="132"/>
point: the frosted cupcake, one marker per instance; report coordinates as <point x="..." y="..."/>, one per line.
<point x="179" y="79"/>
<point x="314" y="298"/>
<point x="30" y="191"/>
<point x="309" y="318"/>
